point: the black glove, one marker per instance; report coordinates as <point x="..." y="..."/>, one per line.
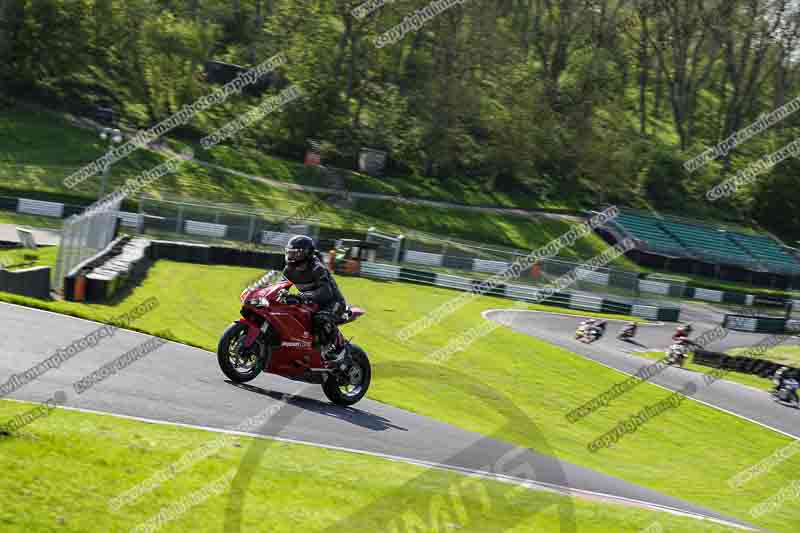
<point x="306" y="298"/>
<point x="291" y="299"/>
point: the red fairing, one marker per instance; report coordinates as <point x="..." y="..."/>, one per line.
<point x="291" y="337"/>
<point x="253" y="331"/>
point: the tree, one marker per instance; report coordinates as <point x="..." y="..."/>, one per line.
<point x="686" y="57"/>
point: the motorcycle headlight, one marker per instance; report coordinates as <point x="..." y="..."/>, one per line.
<point x="258" y="302"/>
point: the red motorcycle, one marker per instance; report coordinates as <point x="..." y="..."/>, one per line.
<point x="275" y="336"/>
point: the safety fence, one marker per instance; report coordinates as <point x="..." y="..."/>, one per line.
<point x="82" y="237"/>
<point x="527" y="293"/>
<point x="212" y="223"/>
<point x="627" y="283"/>
<point x="100" y="277"/>
<point x="760" y="324"/>
<point x="208" y="222"/>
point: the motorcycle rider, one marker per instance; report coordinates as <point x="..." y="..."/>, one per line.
<point x="304" y="268"/>
<point x="682" y="332"/>
<point x="779" y="377"/>
<point x="679" y="349"/>
<point x="584" y="326"/>
<point x="600" y="327"/>
<point x="788" y="383"/>
<point x="629" y="329"/>
<point x="594" y="330"/>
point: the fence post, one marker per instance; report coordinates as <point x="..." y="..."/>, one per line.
<point x="251" y="232"/>
<point x="179" y="221"/>
<point x="400" y="251"/>
<point x="140" y="221"/>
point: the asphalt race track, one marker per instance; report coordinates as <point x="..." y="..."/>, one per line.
<point x="747" y="402"/>
<point x="181" y="384"/>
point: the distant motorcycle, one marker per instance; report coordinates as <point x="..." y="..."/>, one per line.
<point x="588" y="334"/>
<point x="677" y="353"/>
<point x="786" y="392"/>
<point x="627" y="333"/>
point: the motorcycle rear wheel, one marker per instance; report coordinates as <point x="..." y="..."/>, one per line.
<point x="349" y="388"/>
<point x="239" y="369"/>
<point x="788" y="399"/>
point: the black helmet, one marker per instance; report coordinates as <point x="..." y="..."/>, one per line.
<point x="300" y="248"/>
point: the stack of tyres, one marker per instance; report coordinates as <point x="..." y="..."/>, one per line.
<point x="199" y="253"/>
<point x="217" y="255"/>
<point x="36" y="281"/>
<point x="232" y="256"/>
<point x="706" y="358"/>
<point x="33" y="282"/>
<point x="100" y="285"/>
<point x="252" y="258"/>
<point x="164" y="250"/>
<point x="14" y="282"/>
<point x="767" y="370"/>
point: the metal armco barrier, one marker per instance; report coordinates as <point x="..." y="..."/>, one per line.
<point x="526" y="293"/>
<point x="40" y="208"/>
<point x="761" y="324"/>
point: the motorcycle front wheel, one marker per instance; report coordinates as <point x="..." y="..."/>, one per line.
<point x="239" y="368"/>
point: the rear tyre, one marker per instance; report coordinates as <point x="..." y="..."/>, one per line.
<point x="238" y="368"/>
<point x="347" y="388"/>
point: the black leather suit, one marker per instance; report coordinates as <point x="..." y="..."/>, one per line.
<point x="316" y="284"/>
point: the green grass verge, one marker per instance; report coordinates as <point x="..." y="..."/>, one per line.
<point x="18" y="258"/>
<point x="784" y="355"/>
<point x="60" y="472"/>
<point x="735" y="377"/>
<point x="456" y="189"/>
<point x="545" y="382"/>
<point x="191" y="287"/>
<point x="8" y="217"/>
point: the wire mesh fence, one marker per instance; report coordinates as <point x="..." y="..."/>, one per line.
<point x="83" y="236"/>
<point x="220" y="223"/>
<point x="481" y="261"/>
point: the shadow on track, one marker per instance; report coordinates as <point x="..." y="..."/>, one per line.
<point x="348" y="414"/>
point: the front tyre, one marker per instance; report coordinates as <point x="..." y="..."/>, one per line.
<point x="238" y="368"/>
<point x="348" y="387"/>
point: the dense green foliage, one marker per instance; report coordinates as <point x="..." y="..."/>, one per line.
<point x="568" y="102"/>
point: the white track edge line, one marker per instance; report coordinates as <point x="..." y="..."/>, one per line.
<point x="47" y="311"/>
<point x="402" y="459"/>
<point x="649" y="323"/>
<point x="566" y="491"/>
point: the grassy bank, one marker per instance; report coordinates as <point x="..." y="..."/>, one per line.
<point x="84" y="460"/>
<point x="471" y="389"/>
<point x="17" y="258"/>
